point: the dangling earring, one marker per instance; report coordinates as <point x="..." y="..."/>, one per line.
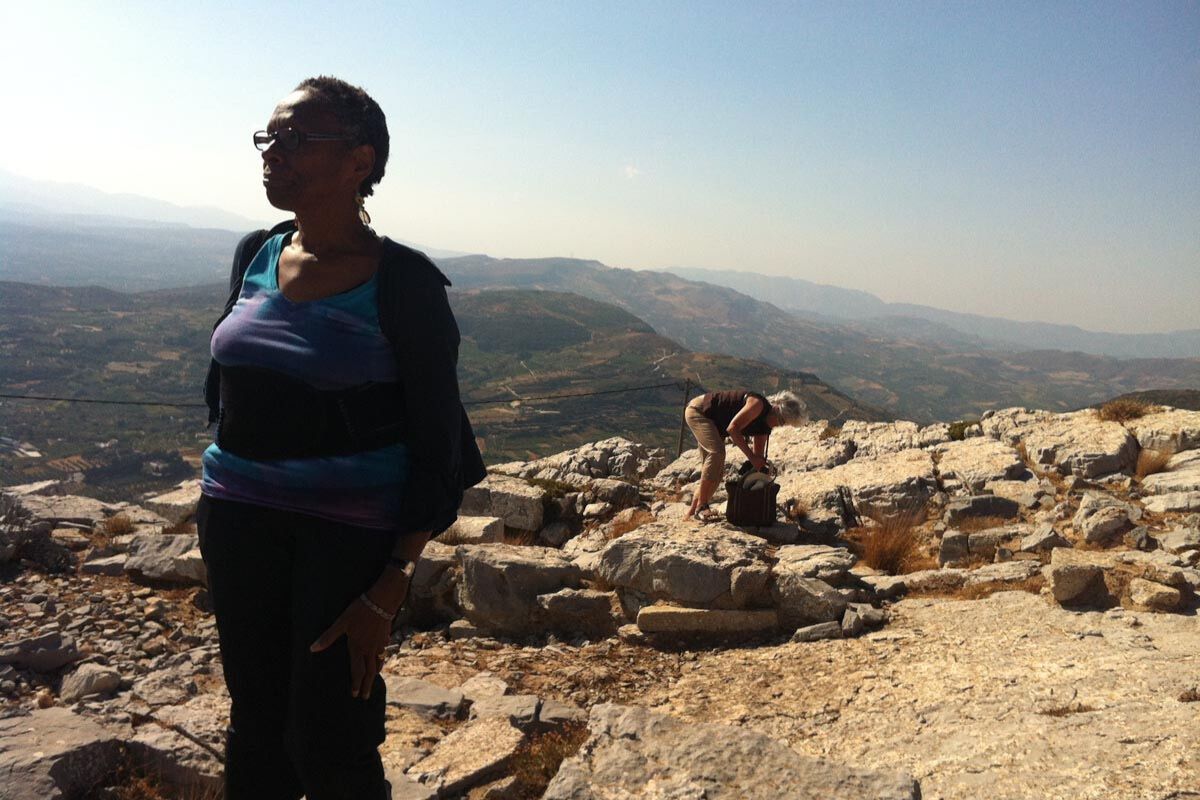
<point x="363" y="216"/>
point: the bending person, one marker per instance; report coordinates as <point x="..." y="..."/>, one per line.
<point x="737" y="415"/>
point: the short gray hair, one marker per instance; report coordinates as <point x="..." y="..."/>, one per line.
<point x="791" y="409"/>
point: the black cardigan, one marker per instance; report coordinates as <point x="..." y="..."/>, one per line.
<point x="415" y="316"/>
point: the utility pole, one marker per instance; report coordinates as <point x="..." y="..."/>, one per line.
<point x="687" y="389"/>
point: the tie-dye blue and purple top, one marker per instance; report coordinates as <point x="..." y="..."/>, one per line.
<point x="331" y="343"/>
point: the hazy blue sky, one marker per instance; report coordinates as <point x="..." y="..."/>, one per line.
<point x="1030" y="160"/>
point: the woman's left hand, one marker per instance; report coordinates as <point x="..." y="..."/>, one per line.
<point x="367" y="634"/>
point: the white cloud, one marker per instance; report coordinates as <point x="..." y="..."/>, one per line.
<point x="631" y="171"/>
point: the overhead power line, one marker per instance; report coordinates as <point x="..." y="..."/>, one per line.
<point x="492" y="401"/>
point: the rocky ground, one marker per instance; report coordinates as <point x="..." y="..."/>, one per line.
<point x="573" y="636"/>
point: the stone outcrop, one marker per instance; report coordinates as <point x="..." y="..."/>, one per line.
<point x="1081" y="444"/>
<point x="609" y="458"/>
<point x="1168" y="429"/>
<point x="685" y="564"/>
<point x="891" y="484"/>
<point x="634" y="752"/>
<point x="969" y="465"/>
<point x="501" y="583"/>
<point x="517" y="502"/>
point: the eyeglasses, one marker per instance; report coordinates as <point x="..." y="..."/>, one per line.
<point x="290" y="139"/>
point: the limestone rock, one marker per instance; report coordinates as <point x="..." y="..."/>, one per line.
<point x="520" y="710"/>
<point x="483" y="684"/>
<point x="634" y="752"/>
<point x="814" y="633"/>
<point x="518" y="503"/>
<point x="805" y="601"/>
<point x="474" y="530"/>
<point x="164" y="557"/>
<point x="44" y="653"/>
<point x="685" y="563"/>
<point x="1151" y="596"/>
<point x="1082" y="444"/>
<point x="1076" y="577"/>
<point x="1171" y="428"/>
<point x="873" y="439"/>
<point x="468" y="756"/>
<point x="109" y="565"/>
<point x="501" y="583"/>
<point x="54" y="754"/>
<point x="969" y="465"/>
<point x="890" y="484"/>
<point x="1173" y="502"/>
<point x="1180" y="540"/>
<point x="685" y="621"/>
<point x="609" y="458"/>
<point x="433" y="595"/>
<point x="178" y="504"/>
<point x="89" y="679"/>
<point x="1182" y="474"/>
<point x="1004" y="572"/>
<point x="1043" y="539"/>
<point x="425" y="698"/>
<point x="980" y="505"/>
<point x="1101" y="517"/>
<point x="585" y="611"/>
<point x="830" y="564"/>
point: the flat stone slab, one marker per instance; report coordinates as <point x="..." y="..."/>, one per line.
<point x="468" y="756"/>
<point x="474" y="530"/>
<point x="425" y="698"/>
<point x="969" y="465"/>
<point x="674" y="620"/>
<point x="166" y="557"/>
<point x="1173" y="502"/>
<point x="1181" y="473"/>
<point x="178" y="504"/>
<point x="54" y="754"/>
<point x="634" y="752"/>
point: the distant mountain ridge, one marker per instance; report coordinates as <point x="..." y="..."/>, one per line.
<point x="820" y="301"/>
<point x="906" y="374"/>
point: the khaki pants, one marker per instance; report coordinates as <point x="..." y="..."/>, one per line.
<point x="711" y="442"/>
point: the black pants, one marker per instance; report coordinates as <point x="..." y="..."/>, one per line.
<point x="278" y="580"/>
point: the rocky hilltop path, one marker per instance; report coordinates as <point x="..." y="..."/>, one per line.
<point x="1032" y="634"/>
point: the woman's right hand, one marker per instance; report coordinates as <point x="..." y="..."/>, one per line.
<point x="758" y="462"/>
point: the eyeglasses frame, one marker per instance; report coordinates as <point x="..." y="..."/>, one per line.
<point x="272" y="137"/>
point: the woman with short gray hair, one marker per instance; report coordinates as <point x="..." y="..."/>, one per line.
<point x="734" y="414"/>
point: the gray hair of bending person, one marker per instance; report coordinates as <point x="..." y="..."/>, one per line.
<point x="790" y="408"/>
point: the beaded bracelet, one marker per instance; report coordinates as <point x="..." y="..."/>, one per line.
<point x="366" y="601"/>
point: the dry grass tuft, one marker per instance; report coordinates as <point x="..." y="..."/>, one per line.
<point x="891" y="544"/>
<point x="981" y="590"/>
<point x="118" y="525"/>
<point x="519" y="537"/>
<point x="1125" y="410"/>
<point x="1067" y="710"/>
<point x="537" y="760"/>
<point x="1151" y="461"/>
<point x="619" y="526"/>
<point x="133" y="780"/>
<point x="830" y="431"/>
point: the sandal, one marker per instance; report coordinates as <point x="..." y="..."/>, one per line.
<point x="708" y="515"/>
